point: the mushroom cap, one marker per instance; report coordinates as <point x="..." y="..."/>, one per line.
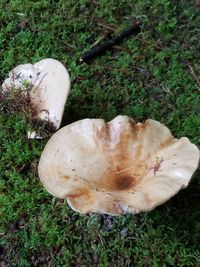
<point x="50" y="85"/>
<point x="116" y="167"/>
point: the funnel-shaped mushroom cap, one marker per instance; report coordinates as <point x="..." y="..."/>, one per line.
<point x="49" y="85"/>
<point x="116" y="167"/>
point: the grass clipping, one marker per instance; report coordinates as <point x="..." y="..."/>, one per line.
<point x="15" y="100"/>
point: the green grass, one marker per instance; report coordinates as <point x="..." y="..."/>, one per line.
<point x="148" y="77"/>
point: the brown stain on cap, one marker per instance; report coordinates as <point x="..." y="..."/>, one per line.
<point x="102" y="136"/>
<point x="83" y="192"/>
<point x="167" y="142"/>
<point x="138" y="152"/>
<point x="114" y="181"/>
<point x="126" y="168"/>
<point x="81" y="198"/>
<point x="66" y="177"/>
<point x="123" y="182"/>
<point x="127" y="134"/>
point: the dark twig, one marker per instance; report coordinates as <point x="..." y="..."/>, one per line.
<point x="97" y="50"/>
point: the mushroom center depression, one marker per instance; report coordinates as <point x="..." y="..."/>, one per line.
<point x="117" y="182"/>
<point x="122" y="182"/>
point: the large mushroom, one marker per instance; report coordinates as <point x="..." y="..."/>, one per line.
<point x="48" y="84"/>
<point x="116" y="167"/>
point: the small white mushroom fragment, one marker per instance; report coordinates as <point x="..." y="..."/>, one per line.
<point x="48" y="84"/>
<point x="116" y="167"/>
<point x="33" y="135"/>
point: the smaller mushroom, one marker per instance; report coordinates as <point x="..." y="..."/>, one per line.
<point x="116" y="167"/>
<point x="47" y="83"/>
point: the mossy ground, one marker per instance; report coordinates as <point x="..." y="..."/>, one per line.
<point x="148" y="76"/>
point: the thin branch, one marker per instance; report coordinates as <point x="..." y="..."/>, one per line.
<point x="194" y="74"/>
<point x="106" y="26"/>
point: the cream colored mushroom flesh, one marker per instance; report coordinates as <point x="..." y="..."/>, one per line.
<point x="116" y="167"/>
<point x="49" y="85"/>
